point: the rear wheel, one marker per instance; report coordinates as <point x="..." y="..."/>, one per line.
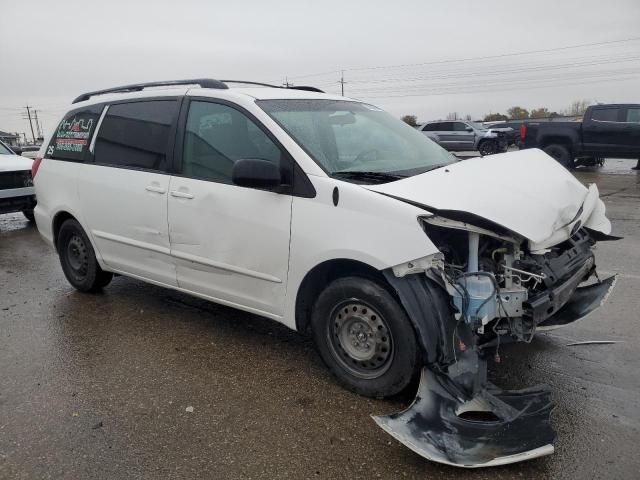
<point x="365" y="337"/>
<point x="561" y="154"/>
<point x="78" y="259"/>
<point x="488" y="147"/>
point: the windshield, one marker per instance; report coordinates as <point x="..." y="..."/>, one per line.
<point x="4" y="150"/>
<point x="352" y="137"/>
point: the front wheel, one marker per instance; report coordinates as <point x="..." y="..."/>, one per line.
<point x="488" y="147"/>
<point x="78" y="259"/>
<point x="365" y="337"/>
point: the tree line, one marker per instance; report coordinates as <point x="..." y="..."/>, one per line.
<point x="576" y="109"/>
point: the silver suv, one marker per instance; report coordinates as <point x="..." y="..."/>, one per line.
<point x="460" y="135"/>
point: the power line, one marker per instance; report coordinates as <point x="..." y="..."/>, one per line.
<point x="468" y="59"/>
<point x="506" y="81"/>
<point x="493" y="71"/>
<point x="501" y="89"/>
<point x="502" y="55"/>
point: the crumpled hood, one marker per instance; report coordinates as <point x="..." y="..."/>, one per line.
<point x="527" y="192"/>
<point x="12" y="163"/>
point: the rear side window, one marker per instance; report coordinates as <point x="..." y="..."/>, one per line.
<point x="432" y="127"/>
<point x="136" y="135"/>
<point x="71" y="139"/>
<point x="605" y="114"/>
<point x="633" y="115"/>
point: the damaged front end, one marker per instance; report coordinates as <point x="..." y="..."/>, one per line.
<point x="485" y="288"/>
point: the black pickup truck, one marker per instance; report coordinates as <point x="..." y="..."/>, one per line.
<point x="605" y="131"/>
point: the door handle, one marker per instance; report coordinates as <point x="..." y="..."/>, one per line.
<point x="179" y="194"/>
<point x="152" y="188"/>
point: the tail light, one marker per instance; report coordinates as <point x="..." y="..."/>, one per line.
<point x="523" y="131"/>
<point x="35" y="166"/>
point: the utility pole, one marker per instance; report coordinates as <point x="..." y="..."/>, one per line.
<point x="33" y="135"/>
<point x="38" y="127"/>
<point x="342" y="82"/>
<point x="286" y="82"/>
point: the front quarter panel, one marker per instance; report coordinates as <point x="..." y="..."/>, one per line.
<point x="364" y="226"/>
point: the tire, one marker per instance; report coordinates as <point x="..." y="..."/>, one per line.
<point x="29" y="215"/>
<point x="487" y="147"/>
<point x="561" y="154"/>
<point x="78" y="259"/>
<point x="365" y="338"/>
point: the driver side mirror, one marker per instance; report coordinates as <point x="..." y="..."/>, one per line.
<point x="256" y="173"/>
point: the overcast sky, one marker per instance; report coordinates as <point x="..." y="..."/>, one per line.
<point x="424" y="57"/>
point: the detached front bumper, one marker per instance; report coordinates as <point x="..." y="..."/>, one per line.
<point x="459" y="418"/>
<point x="516" y="424"/>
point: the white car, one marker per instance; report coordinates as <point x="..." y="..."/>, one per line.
<point x="332" y="217"/>
<point x="16" y="186"/>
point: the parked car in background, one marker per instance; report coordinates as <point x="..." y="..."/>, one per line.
<point x="510" y="129"/>
<point x="16" y="185"/>
<point x="605" y="131"/>
<point x="459" y="135"/>
<point x="29" y="151"/>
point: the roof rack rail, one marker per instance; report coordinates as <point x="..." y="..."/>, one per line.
<point x="306" y="88"/>
<point x="293" y="87"/>
<point x="136" y="87"/>
<point x="202" y="82"/>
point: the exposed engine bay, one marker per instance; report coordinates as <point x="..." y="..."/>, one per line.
<point x="487" y="287"/>
<point x="498" y="287"/>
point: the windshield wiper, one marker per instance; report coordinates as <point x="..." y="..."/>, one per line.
<point x="364" y="175"/>
<point x="434" y="167"/>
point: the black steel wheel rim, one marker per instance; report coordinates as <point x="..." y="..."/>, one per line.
<point x="77" y="256"/>
<point x="359" y="339"/>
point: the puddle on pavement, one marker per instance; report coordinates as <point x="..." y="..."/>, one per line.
<point x="615" y="166"/>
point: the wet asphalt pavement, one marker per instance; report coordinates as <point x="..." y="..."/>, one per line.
<point x="98" y="386"/>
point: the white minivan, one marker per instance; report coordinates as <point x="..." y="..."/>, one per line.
<point x="334" y="218"/>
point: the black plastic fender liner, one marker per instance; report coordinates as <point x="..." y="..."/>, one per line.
<point x="435" y="425"/>
<point x="457" y="417"/>
<point x="428" y="306"/>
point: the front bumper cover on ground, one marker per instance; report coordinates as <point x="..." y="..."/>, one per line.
<point x="435" y="425"/>
<point x="457" y="417"/>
